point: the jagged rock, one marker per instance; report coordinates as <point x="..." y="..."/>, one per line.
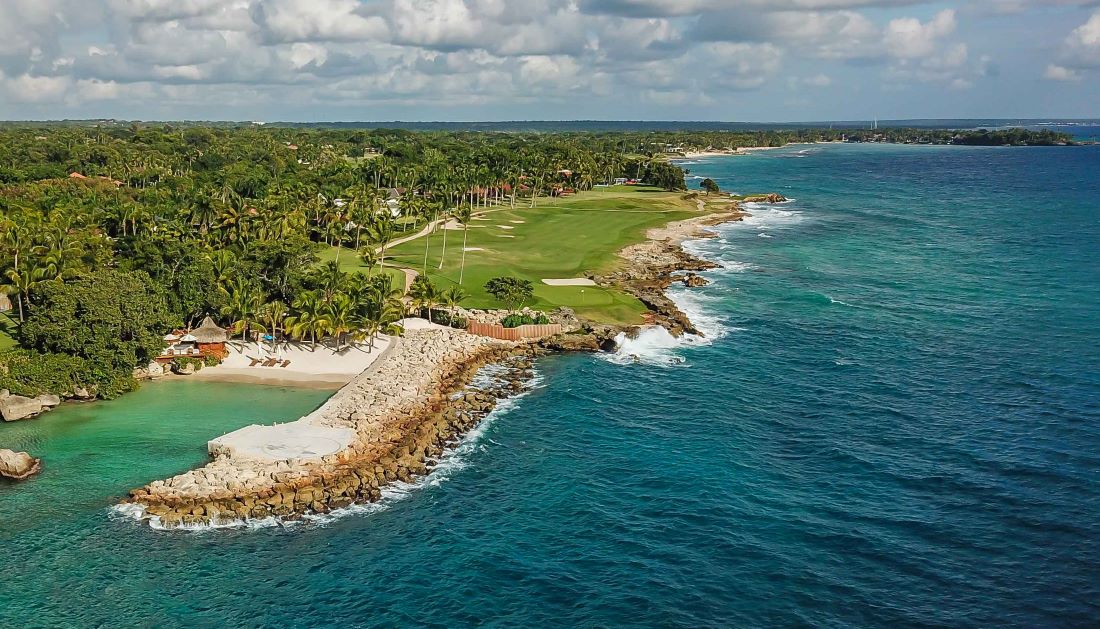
<point x="18" y="465"/>
<point x="765" y="198"/>
<point x="691" y="280"/>
<point x="572" y="343"/>
<point x="84" y="393"/>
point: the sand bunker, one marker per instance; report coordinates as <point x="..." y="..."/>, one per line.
<point x="575" y="281"/>
<point x="473" y="249"/>
<point x="517" y="222"/>
<point x="504" y="236"/>
<point x="505" y="227"/>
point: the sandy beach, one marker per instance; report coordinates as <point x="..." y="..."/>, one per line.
<point x="319" y="367"/>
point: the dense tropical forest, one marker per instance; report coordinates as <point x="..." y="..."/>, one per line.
<point x="114" y="234"/>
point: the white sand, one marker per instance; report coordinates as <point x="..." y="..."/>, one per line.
<point x="517" y="222"/>
<point x="322" y="365"/>
<point x="505" y="227"/>
<point x="418" y="323"/>
<point x="473" y="249"/>
<point x="504" y="235"/>
<point x="575" y="281"/>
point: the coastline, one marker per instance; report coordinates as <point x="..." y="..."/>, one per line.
<point x="653" y="265"/>
<point x="394" y="421"/>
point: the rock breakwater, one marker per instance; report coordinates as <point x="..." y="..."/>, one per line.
<point x="405" y="410"/>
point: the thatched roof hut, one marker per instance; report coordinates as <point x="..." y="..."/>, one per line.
<point x="209" y="332"/>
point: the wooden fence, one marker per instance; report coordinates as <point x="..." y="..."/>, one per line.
<point x="497" y="331"/>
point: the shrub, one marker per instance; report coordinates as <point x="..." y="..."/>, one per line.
<point x="183" y="361"/>
<point x="211" y="361"/>
<point x="517" y="319"/>
<point x="443" y="317"/>
<point x="30" y="373"/>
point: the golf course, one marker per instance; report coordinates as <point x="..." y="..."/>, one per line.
<point x="561" y="239"/>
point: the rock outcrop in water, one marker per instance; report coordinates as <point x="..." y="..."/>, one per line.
<point x="404" y="410"/>
<point x="18" y="465"/>
<point x="16" y="407"/>
<point x="764" y="198"/>
<point x="692" y="280"/>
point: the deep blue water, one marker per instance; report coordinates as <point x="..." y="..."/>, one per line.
<point x="894" y="421"/>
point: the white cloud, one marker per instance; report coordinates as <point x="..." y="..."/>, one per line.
<point x="909" y="38"/>
<point x="268" y="53"/>
<point x="1056" y="72"/>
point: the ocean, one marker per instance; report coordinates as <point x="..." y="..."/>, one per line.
<point x="893" y="421"/>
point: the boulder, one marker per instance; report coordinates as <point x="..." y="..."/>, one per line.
<point x="18" y="465"/>
<point x="82" y="393"/>
<point x="691" y="280"/>
<point x="15" y="407"/>
<point x="184" y="370"/>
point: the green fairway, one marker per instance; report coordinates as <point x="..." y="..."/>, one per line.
<point x="560" y="239"/>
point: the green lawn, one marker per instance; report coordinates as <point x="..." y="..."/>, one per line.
<point x="562" y="238"/>
<point x="7" y="329"/>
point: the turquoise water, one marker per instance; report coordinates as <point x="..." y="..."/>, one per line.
<point x="894" y="421"/>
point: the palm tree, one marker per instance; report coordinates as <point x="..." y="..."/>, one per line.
<point x="225" y="264"/>
<point x="369" y="257"/>
<point x="451" y="298"/>
<point x="273" y="314"/>
<point x="424" y="294"/>
<point x="22" y="282"/>
<point x="331" y="279"/>
<point x="443" y="220"/>
<point x="341" y="316"/>
<point x="309" y="317"/>
<point x="382" y="231"/>
<point x="463" y="216"/>
<point x="243" y="305"/>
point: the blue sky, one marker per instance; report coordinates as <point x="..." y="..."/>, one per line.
<point x="752" y="60"/>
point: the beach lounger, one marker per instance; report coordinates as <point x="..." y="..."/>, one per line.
<point x="255" y="361"/>
<point x="286" y="363"/>
<point x="269" y="362"/>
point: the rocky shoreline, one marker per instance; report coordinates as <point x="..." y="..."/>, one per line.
<point x="404" y="413"/>
<point x="652" y="266"/>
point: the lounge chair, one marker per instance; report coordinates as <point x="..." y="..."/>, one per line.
<point x="286" y="363"/>
<point x="255" y="361"/>
<point x="269" y="362"/>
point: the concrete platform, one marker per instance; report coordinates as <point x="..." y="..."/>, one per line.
<point x="295" y="440"/>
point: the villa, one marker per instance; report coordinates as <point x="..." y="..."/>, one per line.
<point x="206" y="340"/>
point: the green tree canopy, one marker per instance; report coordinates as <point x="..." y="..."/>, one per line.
<point x="512" y="291"/>
<point x="117" y="319"/>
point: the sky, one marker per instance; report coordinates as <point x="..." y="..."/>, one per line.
<point x="476" y="60"/>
